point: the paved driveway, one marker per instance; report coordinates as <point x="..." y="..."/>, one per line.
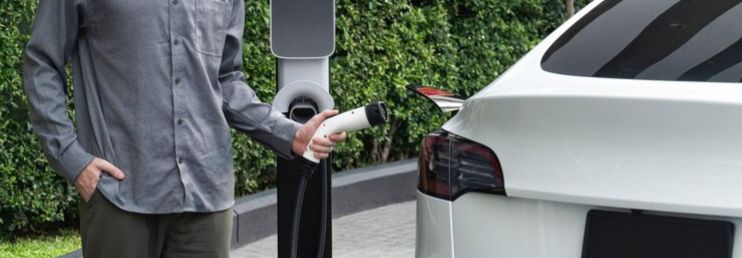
<point x="387" y="231"/>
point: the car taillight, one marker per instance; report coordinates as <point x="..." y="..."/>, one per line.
<point x="450" y="166"/>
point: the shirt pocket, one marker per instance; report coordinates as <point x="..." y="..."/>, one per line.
<point x="211" y="18"/>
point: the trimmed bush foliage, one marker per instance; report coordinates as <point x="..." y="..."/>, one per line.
<point x="382" y="46"/>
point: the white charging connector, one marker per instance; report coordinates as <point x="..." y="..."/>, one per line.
<point x="360" y="118"/>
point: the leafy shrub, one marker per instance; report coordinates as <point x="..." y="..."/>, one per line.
<point x="31" y="195"/>
<point x="382" y="46"/>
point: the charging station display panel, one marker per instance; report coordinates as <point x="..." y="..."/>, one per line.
<point x="302" y="28"/>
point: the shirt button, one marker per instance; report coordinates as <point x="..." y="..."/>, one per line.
<point x="180" y="121"/>
<point x="180" y="160"/>
<point x="177" y="80"/>
<point x="175" y="2"/>
<point x="176" y="42"/>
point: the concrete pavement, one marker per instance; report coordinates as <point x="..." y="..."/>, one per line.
<point x="387" y="231"/>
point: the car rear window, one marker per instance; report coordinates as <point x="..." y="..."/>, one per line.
<point x="682" y="40"/>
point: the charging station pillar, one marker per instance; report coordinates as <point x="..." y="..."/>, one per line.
<point x="303" y="39"/>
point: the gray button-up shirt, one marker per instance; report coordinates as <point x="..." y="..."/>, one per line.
<point x="157" y="85"/>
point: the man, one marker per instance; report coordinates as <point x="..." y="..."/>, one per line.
<point x="157" y="84"/>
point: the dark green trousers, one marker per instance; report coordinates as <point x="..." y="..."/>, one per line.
<point x="110" y="232"/>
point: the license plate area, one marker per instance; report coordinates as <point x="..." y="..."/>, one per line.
<point x="627" y="235"/>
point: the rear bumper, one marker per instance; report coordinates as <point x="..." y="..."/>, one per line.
<point x="517" y="228"/>
<point x="484" y="225"/>
<point x="434" y="238"/>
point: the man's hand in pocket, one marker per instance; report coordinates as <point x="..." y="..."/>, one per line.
<point x="87" y="180"/>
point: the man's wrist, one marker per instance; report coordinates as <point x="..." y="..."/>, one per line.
<point x="296" y="145"/>
<point x="73" y="161"/>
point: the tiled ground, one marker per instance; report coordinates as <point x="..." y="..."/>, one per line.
<point x="387" y="231"/>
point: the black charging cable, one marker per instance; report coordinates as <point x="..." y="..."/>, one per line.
<point x="307" y="169"/>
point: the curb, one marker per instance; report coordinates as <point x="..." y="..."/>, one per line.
<point x="378" y="185"/>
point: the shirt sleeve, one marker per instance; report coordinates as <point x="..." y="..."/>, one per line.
<point x="53" y="37"/>
<point x="242" y="108"/>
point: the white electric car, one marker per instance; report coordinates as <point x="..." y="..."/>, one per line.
<point x="619" y="135"/>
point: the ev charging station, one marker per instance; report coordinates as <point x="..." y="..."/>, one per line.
<point x="303" y="39"/>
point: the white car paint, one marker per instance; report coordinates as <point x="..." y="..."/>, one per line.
<point x="488" y="225"/>
<point x="643" y="144"/>
<point x="434" y="237"/>
<point x="569" y="144"/>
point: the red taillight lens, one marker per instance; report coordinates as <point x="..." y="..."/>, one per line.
<point x="433" y="166"/>
<point x="450" y="166"/>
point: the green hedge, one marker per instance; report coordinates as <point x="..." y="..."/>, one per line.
<point x="382" y="46"/>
